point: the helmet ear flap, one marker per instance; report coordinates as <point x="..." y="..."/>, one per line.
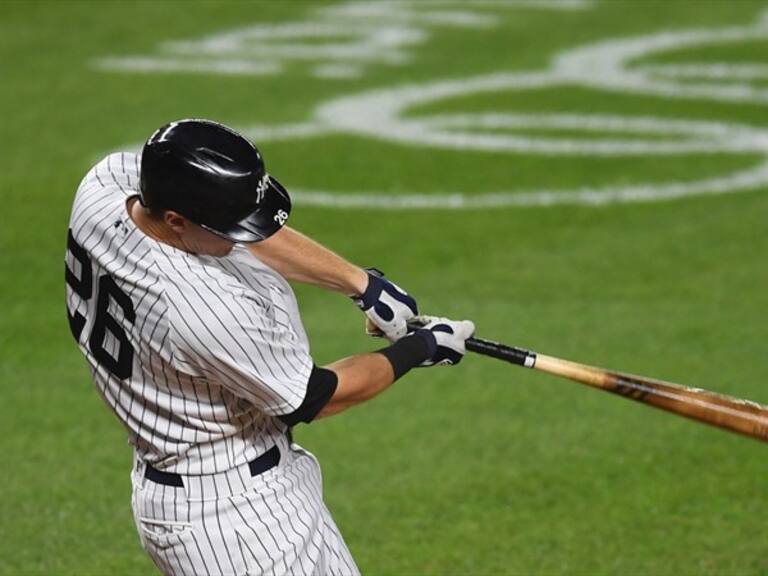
<point x="213" y="176"/>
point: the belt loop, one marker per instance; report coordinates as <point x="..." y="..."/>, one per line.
<point x="266" y="461"/>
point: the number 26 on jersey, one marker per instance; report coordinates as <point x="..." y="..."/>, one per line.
<point x="117" y="359"/>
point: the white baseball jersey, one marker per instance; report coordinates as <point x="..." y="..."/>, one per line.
<point x="197" y="355"/>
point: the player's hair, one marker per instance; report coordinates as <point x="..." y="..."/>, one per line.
<point x="155" y="212"/>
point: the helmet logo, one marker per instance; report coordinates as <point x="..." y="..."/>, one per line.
<point x="261" y="188"/>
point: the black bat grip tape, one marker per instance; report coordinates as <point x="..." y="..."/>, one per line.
<point x="511" y="354"/>
<point x="497" y="350"/>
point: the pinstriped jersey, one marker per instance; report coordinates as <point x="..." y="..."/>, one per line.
<point x="196" y="355"/>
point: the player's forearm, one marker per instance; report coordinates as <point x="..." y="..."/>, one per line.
<point x="299" y="258"/>
<point x="360" y="378"/>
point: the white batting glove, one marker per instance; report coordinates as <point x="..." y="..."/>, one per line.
<point x="387" y="306"/>
<point x="451" y="337"/>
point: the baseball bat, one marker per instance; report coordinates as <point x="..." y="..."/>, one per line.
<point x="742" y="416"/>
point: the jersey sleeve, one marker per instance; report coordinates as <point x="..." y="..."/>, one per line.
<point x="234" y="341"/>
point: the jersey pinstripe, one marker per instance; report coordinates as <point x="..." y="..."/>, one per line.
<point x="217" y="344"/>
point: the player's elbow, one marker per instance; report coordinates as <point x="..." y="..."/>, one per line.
<point x="320" y="389"/>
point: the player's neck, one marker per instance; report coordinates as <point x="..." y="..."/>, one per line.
<point x="152" y="227"/>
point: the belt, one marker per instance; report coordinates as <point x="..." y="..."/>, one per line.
<point x="259" y="465"/>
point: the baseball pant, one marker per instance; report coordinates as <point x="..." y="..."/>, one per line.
<point x="235" y="523"/>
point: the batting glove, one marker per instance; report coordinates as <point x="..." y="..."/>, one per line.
<point x="387" y="306"/>
<point x="451" y="337"/>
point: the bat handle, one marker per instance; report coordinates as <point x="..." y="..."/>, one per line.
<point x="511" y="354"/>
<point x="518" y="356"/>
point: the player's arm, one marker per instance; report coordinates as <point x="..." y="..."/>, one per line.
<point x="299" y="258"/>
<point x="354" y="380"/>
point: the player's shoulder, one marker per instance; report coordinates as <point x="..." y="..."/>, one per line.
<point x="100" y="200"/>
<point x="199" y="277"/>
<point x="205" y="284"/>
<point x="108" y="183"/>
<point x="117" y="173"/>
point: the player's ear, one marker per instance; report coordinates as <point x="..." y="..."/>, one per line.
<point x="175" y="221"/>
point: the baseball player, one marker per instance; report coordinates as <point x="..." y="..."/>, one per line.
<point x="177" y="270"/>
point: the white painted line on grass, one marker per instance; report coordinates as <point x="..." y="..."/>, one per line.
<point x="741" y="181"/>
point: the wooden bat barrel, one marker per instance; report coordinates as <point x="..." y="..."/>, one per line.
<point x="742" y="416"/>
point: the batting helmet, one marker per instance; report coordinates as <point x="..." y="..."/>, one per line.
<point x="213" y="176"/>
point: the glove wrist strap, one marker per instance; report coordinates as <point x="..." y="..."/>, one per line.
<point x="410" y="351"/>
<point x="368" y="298"/>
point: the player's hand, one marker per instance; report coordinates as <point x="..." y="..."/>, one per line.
<point x="450" y="335"/>
<point x="387" y="306"/>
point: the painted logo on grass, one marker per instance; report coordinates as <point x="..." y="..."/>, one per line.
<point x="352" y="44"/>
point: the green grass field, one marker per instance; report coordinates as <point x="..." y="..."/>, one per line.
<point x="480" y="469"/>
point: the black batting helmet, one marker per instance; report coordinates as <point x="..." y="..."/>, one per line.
<point x="214" y="177"/>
